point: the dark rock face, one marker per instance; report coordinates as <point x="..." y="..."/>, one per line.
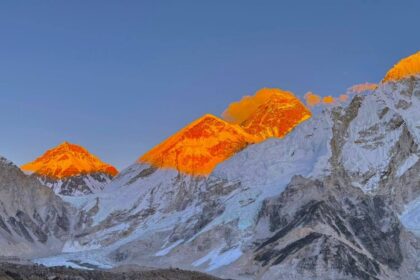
<point x="332" y="228"/>
<point x="347" y="260"/>
<point x="143" y="174"/>
<point x="280" y="255"/>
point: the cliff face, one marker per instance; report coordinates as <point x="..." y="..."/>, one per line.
<point x="33" y="220"/>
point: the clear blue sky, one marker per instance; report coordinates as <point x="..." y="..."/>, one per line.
<point x="120" y="76"/>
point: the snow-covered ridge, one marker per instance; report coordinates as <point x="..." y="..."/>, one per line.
<point x="304" y="151"/>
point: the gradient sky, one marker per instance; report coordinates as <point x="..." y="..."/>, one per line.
<point x="118" y="77"/>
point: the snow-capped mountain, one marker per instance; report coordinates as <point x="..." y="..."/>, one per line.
<point x="276" y="116"/>
<point x="325" y="202"/>
<point x="336" y="198"/>
<point x="200" y="146"/>
<point x="70" y="169"/>
<point x="33" y="220"/>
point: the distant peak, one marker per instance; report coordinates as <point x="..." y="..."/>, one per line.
<point x="67" y="160"/>
<point x="206" y="117"/>
<point x="277" y="116"/>
<point x="406" y="67"/>
<point x="198" y="147"/>
<point x="209" y="116"/>
<point x="240" y="111"/>
<point x="71" y="147"/>
<point x="67" y="144"/>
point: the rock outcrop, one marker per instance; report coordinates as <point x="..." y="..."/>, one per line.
<point x="33" y="220"/>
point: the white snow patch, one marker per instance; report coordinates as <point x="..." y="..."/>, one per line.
<point x="217" y="259"/>
<point x="57" y="261"/>
<point x="407" y="164"/>
<point x="168" y="249"/>
<point x="79" y="201"/>
<point x="410" y="218"/>
<point x="93" y="258"/>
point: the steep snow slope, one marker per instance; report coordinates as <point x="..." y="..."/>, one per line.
<point x="369" y="138"/>
<point x="304" y="151"/>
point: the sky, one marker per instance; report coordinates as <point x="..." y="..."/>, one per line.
<point x="118" y="77"/>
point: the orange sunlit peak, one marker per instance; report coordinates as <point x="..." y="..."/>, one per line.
<point x="406" y="67"/>
<point x="277" y="116"/>
<point x="200" y="146"/>
<point x="240" y="111"/>
<point x="67" y="160"/>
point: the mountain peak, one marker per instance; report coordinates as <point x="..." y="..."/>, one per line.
<point x="277" y="116"/>
<point x="67" y="146"/>
<point x="67" y="160"/>
<point x="198" y="147"/>
<point x="406" y="67"/>
<point x="206" y="118"/>
<point x="201" y="145"/>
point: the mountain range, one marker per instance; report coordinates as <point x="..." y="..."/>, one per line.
<point x="277" y="193"/>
